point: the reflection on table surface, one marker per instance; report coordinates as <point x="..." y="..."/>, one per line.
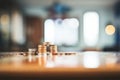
<point x="83" y="65"/>
<point x="14" y="61"/>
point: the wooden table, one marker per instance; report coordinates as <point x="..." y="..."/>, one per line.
<point x="83" y="65"/>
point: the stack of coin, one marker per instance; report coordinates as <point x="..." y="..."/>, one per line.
<point x="47" y="44"/>
<point x="31" y="51"/>
<point x="53" y="49"/>
<point x="41" y="49"/>
<point x="47" y="48"/>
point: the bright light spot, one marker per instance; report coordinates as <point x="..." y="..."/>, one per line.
<point x="49" y="31"/>
<point x="4" y="20"/>
<point x="91" y="28"/>
<point x="5" y="25"/>
<point x="17" y="28"/>
<point x="91" y="60"/>
<point x="57" y="31"/>
<point x="72" y="22"/>
<point x="110" y="29"/>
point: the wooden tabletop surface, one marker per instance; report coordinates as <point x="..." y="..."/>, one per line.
<point x="88" y="63"/>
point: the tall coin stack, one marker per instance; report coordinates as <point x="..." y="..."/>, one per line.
<point x="42" y="49"/>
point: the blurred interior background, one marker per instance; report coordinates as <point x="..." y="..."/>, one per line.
<point x="72" y="25"/>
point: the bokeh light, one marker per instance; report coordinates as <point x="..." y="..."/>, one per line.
<point x="4" y="20"/>
<point x="110" y="29"/>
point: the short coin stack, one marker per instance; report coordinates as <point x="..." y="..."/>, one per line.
<point x="47" y="48"/>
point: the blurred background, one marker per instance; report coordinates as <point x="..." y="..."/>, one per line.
<point x="72" y="25"/>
